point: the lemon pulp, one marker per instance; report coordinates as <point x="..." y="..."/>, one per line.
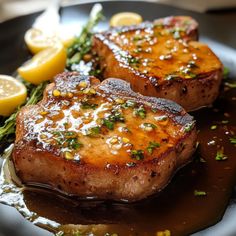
<point x="44" y="65"/>
<point x="125" y="18"/>
<point x="36" y="40"/>
<point x="12" y="94"/>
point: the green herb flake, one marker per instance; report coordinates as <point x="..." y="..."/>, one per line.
<point x="224" y="121"/>
<point x="220" y="156"/>
<point x="129" y="103"/>
<point x="137" y="38"/>
<point x="115" y="116"/>
<point x="171" y="77"/>
<point x="137" y="154"/>
<point x="67" y="138"/>
<point x="199" y="193"/>
<point x="60" y="233"/>
<point x="176" y="35"/>
<point x="213" y="127"/>
<point x="232" y="140"/>
<point x="65" y="124"/>
<point x="152" y="146"/>
<point x="226" y="73"/>
<point x="188" y="127"/>
<point x="230" y="85"/>
<point x="109" y="124"/>
<point x="74" y="143"/>
<point x="192" y="64"/>
<point x="88" y="105"/>
<point x="150" y="125"/>
<point x="190" y="75"/>
<point x="141" y="112"/>
<point x="154" y="110"/>
<point x="134" y="60"/>
<point x="131" y="164"/>
<point x="94" y="131"/>
<point x="138" y="50"/>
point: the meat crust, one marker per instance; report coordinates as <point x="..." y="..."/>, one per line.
<point x="101" y="140"/>
<point x="162" y="59"/>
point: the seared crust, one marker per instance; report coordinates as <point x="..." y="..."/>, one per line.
<point x="162" y="59"/>
<point x="99" y="171"/>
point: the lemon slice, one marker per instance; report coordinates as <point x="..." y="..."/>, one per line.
<point x="36" y="40"/>
<point x="125" y="18"/>
<point x="12" y="94"/>
<point x="44" y="65"/>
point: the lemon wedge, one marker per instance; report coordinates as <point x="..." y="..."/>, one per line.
<point x="125" y="18"/>
<point x="36" y="40"/>
<point x="12" y="94"/>
<point x="44" y="65"/>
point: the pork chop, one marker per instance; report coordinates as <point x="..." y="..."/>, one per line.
<point x="101" y="140"/>
<point x="162" y="59"/>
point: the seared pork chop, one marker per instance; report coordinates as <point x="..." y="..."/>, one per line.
<point x="162" y="59"/>
<point x="101" y="140"/>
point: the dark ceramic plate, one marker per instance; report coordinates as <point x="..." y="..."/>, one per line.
<point x="217" y="29"/>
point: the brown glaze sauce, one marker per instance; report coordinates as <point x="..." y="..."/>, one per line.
<point x="176" y="208"/>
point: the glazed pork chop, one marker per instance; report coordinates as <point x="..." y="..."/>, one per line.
<point x="162" y="59"/>
<point x="101" y="140"/>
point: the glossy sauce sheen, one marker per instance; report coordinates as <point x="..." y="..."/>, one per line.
<point x="72" y="125"/>
<point x="176" y="208"/>
<point x="164" y="50"/>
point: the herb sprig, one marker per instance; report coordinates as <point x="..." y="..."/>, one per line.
<point x="83" y="43"/>
<point x="9" y="125"/>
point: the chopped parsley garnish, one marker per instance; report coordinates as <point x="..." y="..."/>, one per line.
<point x="66" y="124"/>
<point x="138" y="50"/>
<point x="190" y="75"/>
<point x="115" y="116"/>
<point x="96" y="72"/>
<point x="88" y="105"/>
<point x="232" y="140"/>
<point x="192" y="64"/>
<point x="74" y="143"/>
<point x="213" y="127"/>
<point x="220" y="156"/>
<point x="93" y="131"/>
<point x="230" y="85"/>
<point x="176" y="34"/>
<point x="149" y="125"/>
<point x="154" y="110"/>
<point x="108" y="123"/>
<point x="141" y="112"/>
<point x="137" y="38"/>
<point x="161" y="118"/>
<point x="226" y="73"/>
<point x="129" y="103"/>
<point x="137" y="154"/>
<point x="131" y="164"/>
<point x="199" y="193"/>
<point x="171" y="77"/>
<point x="152" y="146"/>
<point x="224" y="121"/>
<point x="133" y="60"/>
<point x="68" y="139"/>
<point x="188" y="127"/>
